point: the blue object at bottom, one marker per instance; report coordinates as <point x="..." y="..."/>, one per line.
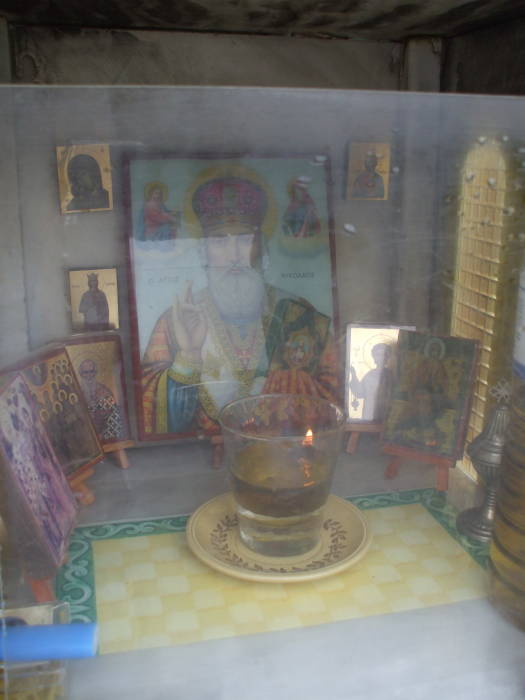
<point x="46" y="642"/>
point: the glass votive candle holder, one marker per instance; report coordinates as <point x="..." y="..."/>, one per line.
<point x="281" y="450"/>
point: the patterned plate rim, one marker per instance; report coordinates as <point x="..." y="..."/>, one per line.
<point x="272" y="572"/>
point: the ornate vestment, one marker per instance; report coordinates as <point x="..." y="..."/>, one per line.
<point x="288" y="349"/>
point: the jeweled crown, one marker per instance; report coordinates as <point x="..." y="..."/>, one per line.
<point x="229" y="202"/>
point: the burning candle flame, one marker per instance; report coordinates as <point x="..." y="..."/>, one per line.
<point x="305" y="465"/>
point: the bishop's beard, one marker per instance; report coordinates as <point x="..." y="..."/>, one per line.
<point x="238" y="293"/>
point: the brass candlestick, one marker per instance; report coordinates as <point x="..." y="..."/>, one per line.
<point x="486" y="451"/>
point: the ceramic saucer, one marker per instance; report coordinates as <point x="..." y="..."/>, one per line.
<point x="213" y="537"/>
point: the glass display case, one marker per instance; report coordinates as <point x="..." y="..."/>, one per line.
<point x="166" y="251"/>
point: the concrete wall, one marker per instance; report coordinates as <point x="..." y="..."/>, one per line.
<point x="102" y="57"/>
<point x="490" y="61"/>
<point x="14" y="339"/>
<point x="13" y="316"/>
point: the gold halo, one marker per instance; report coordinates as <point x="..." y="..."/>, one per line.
<point x="148" y="189"/>
<point x="229" y="169"/>
<point x="97" y="355"/>
<point x="434" y="341"/>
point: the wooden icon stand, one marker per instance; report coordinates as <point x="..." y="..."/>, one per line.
<point x="77" y="482"/>
<point x="356" y="428"/>
<point x="42" y="590"/>
<point x="398" y="454"/>
<point x="120" y="457"/>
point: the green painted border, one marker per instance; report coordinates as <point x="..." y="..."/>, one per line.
<point x="75" y="582"/>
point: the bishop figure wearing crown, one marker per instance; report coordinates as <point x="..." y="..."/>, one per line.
<point x="237" y="337"/>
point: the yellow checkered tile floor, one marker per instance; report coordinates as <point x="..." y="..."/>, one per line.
<point x="151" y="591"/>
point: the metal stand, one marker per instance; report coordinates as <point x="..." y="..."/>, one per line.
<point x="478" y="522"/>
<point x="486" y="451"/>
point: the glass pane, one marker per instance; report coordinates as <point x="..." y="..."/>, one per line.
<point x="166" y="251"/>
